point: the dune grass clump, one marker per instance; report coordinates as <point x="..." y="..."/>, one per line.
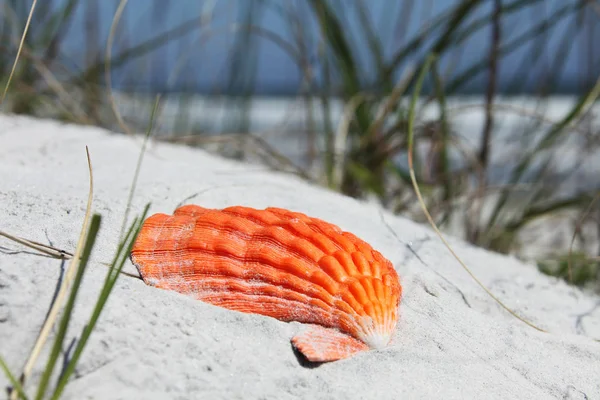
<point x="71" y="284"/>
<point x="362" y="155"/>
<point x="73" y="276"/>
<point x="577" y="268"/>
<point x="358" y="158"/>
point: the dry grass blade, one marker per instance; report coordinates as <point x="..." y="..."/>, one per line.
<point x="42" y="248"/>
<point x="62" y="291"/>
<point x="341" y="136"/>
<point x="109" y="44"/>
<point x="411" y="118"/>
<point x="14" y="66"/>
<point x="577" y="228"/>
<point x="121" y="256"/>
<point x="138" y="166"/>
<point x="52" y="251"/>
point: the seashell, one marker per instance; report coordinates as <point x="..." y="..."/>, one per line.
<point x="277" y="263"/>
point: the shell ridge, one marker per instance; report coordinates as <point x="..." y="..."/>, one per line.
<point x="261" y="235"/>
<point x="351" y="272"/>
<point x="308" y="283"/>
<point x="305" y="283"/>
<point x="312" y="311"/>
<point x="264" y="235"/>
<point x="295" y="250"/>
<point x="350" y="269"/>
<point x="223" y="252"/>
<point x="256" y="289"/>
<point x="300" y="312"/>
<point x="273" y="262"/>
<point x="307" y="287"/>
<point x="230" y="254"/>
<point x="328" y="230"/>
<point x="283" y="224"/>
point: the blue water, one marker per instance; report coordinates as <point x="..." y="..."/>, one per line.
<point x="204" y="58"/>
<point x="282" y="123"/>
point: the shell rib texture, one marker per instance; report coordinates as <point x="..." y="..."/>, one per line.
<point x="277" y="263"/>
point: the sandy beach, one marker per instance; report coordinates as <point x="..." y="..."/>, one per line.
<point x="452" y="341"/>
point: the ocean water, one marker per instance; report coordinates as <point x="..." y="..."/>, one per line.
<point x="520" y="123"/>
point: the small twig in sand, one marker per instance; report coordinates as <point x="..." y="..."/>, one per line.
<point x="42" y="248"/>
<point x="52" y="251"/>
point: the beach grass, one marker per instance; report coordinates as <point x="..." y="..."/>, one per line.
<point x="357" y="155"/>
<point x="73" y="276"/>
<point x="360" y="154"/>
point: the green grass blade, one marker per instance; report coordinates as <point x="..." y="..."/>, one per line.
<point x="333" y="33"/>
<point x="14" y="381"/>
<point x="375" y="43"/>
<point x="538" y="29"/>
<point x="139" y="50"/>
<point x="534" y="212"/>
<point x="455" y="18"/>
<point x="414" y="45"/>
<point x="475" y="26"/>
<point x="138" y="166"/>
<point x="68" y="311"/>
<point x="111" y="277"/>
<point x="54" y="30"/>
<point x="548" y="140"/>
<point x="461" y="13"/>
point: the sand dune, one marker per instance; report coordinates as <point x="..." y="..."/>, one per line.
<point x="452" y="341"/>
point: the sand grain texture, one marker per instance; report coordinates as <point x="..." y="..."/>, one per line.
<point x="452" y="340"/>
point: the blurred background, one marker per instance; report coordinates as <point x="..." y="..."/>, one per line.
<point x="506" y="135"/>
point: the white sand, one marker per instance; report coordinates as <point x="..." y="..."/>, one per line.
<point x="452" y="340"/>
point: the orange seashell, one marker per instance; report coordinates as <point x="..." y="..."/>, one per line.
<point x="277" y="263"/>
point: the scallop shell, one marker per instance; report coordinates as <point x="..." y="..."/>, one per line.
<point x="277" y="263"/>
